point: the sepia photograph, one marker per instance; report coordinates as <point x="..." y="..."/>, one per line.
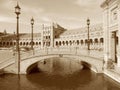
<point x="59" y="45"/>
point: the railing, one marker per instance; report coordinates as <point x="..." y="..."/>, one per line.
<point x="51" y="51"/>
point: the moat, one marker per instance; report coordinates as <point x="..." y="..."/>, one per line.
<point x="58" y="74"/>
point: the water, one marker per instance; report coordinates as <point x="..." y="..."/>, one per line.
<point x="58" y="74"/>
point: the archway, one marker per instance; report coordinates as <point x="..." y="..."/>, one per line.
<point x="45" y="65"/>
<point x="77" y="42"/>
<point x="66" y="42"/>
<point x="81" y="42"/>
<point x="36" y="43"/>
<point x="32" y="68"/>
<point x="63" y="43"/>
<point x="59" y="43"/>
<point x="20" y="43"/>
<point x="91" y="41"/>
<point x="86" y="41"/>
<point x="96" y="41"/>
<point x="70" y="42"/>
<point x="86" y="65"/>
<point x="39" y="43"/>
<point x="101" y="40"/>
<point x="91" y="64"/>
<point x="56" y="43"/>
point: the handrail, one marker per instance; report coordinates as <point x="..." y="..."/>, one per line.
<point x="50" y="51"/>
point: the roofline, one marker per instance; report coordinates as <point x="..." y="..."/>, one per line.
<point x="107" y="2"/>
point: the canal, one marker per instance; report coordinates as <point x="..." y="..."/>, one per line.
<point x="58" y="74"/>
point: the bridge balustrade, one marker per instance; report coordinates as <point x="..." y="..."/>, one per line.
<point x="54" y="51"/>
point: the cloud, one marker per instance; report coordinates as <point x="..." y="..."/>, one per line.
<point x="46" y="19"/>
<point x="6" y="19"/>
<point x="69" y="13"/>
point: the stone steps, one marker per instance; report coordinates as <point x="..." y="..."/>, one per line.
<point x="115" y="75"/>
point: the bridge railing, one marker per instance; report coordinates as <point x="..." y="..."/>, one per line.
<point x="69" y="50"/>
<point x="57" y="50"/>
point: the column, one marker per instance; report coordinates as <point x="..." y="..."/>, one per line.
<point x="118" y="53"/>
<point x="52" y="35"/>
<point x="42" y="34"/>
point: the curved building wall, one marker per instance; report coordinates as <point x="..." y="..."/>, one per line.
<point x="79" y="38"/>
<point x="57" y="36"/>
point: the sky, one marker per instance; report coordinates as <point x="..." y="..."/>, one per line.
<point x="70" y="14"/>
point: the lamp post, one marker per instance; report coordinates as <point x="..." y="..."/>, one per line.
<point x="88" y="23"/>
<point x="17" y="11"/>
<point x="32" y="23"/>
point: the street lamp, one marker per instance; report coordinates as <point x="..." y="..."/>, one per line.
<point x="88" y="23"/>
<point x="17" y="11"/>
<point x="32" y="23"/>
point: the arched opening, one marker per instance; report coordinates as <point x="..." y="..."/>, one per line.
<point x="26" y="43"/>
<point x="32" y="68"/>
<point x="63" y="42"/>
<point x="43" y="43"/>
<point x="86" y="65"/>
<point x="56" y="43"/>
<point x="77" y="42"/>
<point x="101" y="40"/>
<point x="91" y="41"/>
<point x="23" y="43"/>
<point x="3" y="43"/>
<point x="81" y="42"/>
<point x="11" y="43"/>
<point x="96" y="41"/>
<point x="39" y="43"/>
<point x="86" y="41"/>
<point x="36" y="43"/>
<point x="33" y="43"/>
<point x="59" y="43"/>
<point x="20" y="43"/>
<point x="39" y="66"/>
<point x="14" y="43"/>
<point x="66" y="42"/>
<point x="70" y="42"/>
<point x="7" y="43"/>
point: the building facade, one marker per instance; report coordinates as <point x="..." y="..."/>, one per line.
<point x="111" y="28"/>
<point x="79" y="38"/>
<point x="45" y="38"/>
<point x="57" y="36"/>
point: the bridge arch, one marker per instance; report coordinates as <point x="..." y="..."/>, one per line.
<point x="85" y="64"/>
<point x="32" y="68"/>
<point x="28" y="64"/>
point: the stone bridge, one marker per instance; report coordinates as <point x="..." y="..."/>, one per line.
<point x="93" y="59"/>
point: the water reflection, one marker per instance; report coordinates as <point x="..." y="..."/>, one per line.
<point x="70" y="81"/>
<point x="61" y="66"/>
<point x="75" y="78"/>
